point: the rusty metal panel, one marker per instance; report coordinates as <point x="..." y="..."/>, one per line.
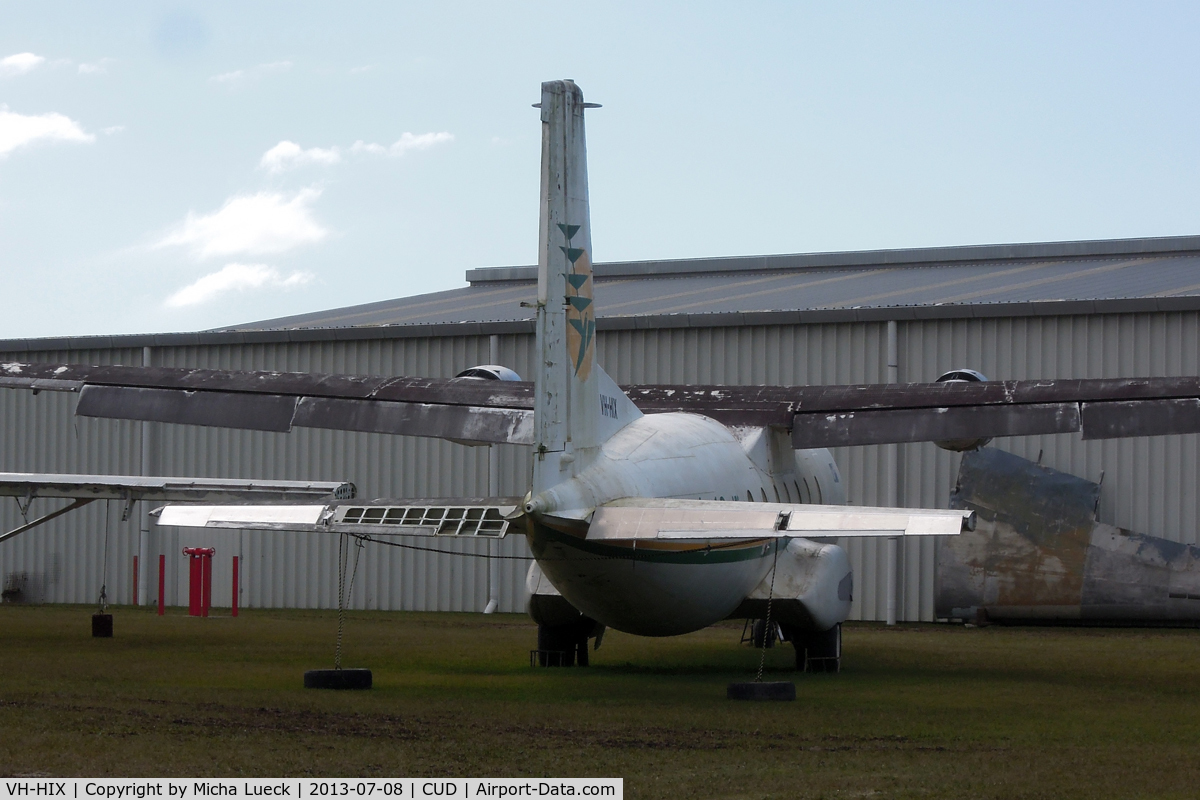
<point x="1030" y="541"/>
<point x="259" y="412"/>
<point x="844" y="429"/>
<point x="458" y="422"/>
<point x="1039" y="554"/>
<point x="1141" y="418"/>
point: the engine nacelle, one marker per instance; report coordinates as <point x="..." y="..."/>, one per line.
<point x="489" y="372"/>
<point x="962" y="376"/>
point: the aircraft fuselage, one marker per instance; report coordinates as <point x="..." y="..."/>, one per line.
<point x="664" y="588"/>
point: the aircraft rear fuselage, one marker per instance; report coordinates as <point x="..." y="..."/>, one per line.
<point x="663" y="588"/>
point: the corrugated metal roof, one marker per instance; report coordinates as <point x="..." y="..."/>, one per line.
<point x="932" y="277"/>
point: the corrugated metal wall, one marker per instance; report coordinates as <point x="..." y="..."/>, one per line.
<point x="1149" y="484"/>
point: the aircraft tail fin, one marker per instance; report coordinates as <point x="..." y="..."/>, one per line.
<point x="577" y="406"/>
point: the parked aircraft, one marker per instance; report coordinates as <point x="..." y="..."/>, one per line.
<point x="655" y="510"/>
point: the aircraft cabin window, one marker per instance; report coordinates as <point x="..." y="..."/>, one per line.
<point x="799" y="497"/>
<point x="775" y="486"/>
<point x="808" y="490"/>
<point x="820" y="494"/>
<point x="763" y="492"/>
<point x="787" y="491"/>
<point x="749" y="495"/>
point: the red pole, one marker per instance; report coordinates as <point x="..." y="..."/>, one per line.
<point x="206" y="585"/>
<point x="162" y="583"/>
<point x="199" y="580"/>
<point x="135" y="580"/>
<point x="193" y="585"/>
<point x="235" y="585"/>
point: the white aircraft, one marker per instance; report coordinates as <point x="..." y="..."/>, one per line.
<point x="652" y="510"/>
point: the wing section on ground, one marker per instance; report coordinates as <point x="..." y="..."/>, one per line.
<point x="643" y="518"/>
<point x="842" y="416"/>
<point x="472" y="411"/>
<point x="489" y="517"/>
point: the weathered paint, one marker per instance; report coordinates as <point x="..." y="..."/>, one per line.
<point x="1038" y="553"/>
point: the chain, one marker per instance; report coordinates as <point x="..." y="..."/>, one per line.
<point x="103" y="599"/>
<point x="343" y="557"/>
<point x="359" y="546"/>
<point x="768" y="634"/>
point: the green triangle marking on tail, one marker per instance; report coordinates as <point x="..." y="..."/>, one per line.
<point x="577" y="280"/>
<point x="569" y="230"/>
<point x="580" y="302"/>
<point x="573" y="253"/>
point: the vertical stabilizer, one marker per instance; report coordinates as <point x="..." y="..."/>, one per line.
<point x="577" y="406"/>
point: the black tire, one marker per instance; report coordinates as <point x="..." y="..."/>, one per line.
<point x="102" y="626"/>
<point x="758" y="633"/>
<point x="767" y="690"/>
<point x="337" y="679"/>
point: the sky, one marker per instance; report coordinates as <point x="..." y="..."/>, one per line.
<point x="176" y="166"/>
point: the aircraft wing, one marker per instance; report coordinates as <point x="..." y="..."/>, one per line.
<point x="645" y="518"/>
<point x="475" y="411"/>
<point x="840" y="416"/>
<point x="480" y="411"/>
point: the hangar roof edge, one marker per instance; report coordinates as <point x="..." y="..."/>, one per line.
<point x="1008" y="280"/>
<point x="1050" y="308"/>
<point x="958" y="254"/>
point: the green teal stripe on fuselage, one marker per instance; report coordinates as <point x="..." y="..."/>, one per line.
<point x="651" y="551"/>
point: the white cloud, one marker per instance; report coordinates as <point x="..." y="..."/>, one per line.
<point x="19" y="63"/>
<point x="96" y="67"/>
<point x="240" y="76"/>
<point x="406" y="142"/>
<point x="267" y="222"/>
<point x="286" y="155"/>
<point x="235" y="277"/>
<point x="111" y="129"/>
<point x="22" y="129"/>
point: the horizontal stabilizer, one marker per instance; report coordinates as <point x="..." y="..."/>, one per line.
<point x="473" y="517"/>
<point x="636" y="518"/>
<point x="27" y="485"/>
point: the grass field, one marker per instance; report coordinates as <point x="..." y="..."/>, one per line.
<point x="918" y="711"/>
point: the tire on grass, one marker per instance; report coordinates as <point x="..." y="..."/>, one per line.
<point x="337" y="679"/>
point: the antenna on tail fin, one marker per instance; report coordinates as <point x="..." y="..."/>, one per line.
<point x="577" y="406"/>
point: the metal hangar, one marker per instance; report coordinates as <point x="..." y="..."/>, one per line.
<point x="1090" y="309"/>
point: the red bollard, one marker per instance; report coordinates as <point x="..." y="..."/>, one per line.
<point x="199" y="579"/>
<point x="235" y="586"/>
<point x="162" y="584"/>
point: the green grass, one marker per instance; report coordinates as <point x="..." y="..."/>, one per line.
<point x="918" y="711"/>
